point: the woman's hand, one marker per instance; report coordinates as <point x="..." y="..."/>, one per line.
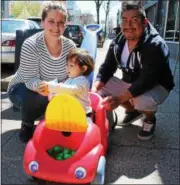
<point x="43" y="89"/>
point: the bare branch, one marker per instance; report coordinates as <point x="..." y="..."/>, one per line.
<point x="98" y="5"/>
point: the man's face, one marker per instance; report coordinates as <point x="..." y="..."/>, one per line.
<point x="132" y="25"/>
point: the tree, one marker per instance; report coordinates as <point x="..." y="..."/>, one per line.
<point x="98" y="5"/>
<point x="34" y="8"/>
<point x="24" y="13"/>
<point x="25" y="9"/>
<point x="17" y="8"/>
<point x="108" y="5"/>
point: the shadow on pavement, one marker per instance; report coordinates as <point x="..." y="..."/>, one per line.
<point x="123" y="154"/>
<point x="4" y="96"/>
<point x="10" y="114"/>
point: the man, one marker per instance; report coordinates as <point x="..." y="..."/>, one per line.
<point x="143" y="56"/>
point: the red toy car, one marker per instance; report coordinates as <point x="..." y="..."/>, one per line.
<point x="87" y="165"/>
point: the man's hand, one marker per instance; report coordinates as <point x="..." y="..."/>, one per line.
<point x="97" y="86"/>
<point x="112" y="102"/>
<point x="126" y="96"/>
<point x="43" y="89"/>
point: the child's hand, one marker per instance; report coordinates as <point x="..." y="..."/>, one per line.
<point x="43" y="86"/>
<point x="43" y="89"/>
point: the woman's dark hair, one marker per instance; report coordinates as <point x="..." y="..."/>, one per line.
<point x="134" y="6"/>
<point x="83" y="58"/>
<point x="53" y="5"/>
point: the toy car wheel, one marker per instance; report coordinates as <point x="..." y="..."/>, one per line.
<point x="100" y="173"/>
<point x="114" y="121"/>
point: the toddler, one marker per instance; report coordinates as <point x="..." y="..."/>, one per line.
<point x="79" y="65"/>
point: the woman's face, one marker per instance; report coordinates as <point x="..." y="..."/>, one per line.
<point x="54" y="23"/>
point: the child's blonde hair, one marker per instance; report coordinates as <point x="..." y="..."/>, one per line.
<point x="83" y="58"/>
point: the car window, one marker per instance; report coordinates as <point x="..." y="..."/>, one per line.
<point x="82" y="30"/>
<point x="33" y="25"/>
<point x="73" y="28"/>
<point x="10" y="26"/>
<point x="38" y="21"/>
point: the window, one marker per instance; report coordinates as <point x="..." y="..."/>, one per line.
<point x="172" y="27"/>
<point x="33" y="25"/>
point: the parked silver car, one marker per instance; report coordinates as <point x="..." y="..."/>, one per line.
<point x="9" y="27"/>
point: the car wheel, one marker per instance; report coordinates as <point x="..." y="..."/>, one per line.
<point x="100" y="173"/>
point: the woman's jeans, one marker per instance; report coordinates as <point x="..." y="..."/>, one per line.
<point x="31" y="104"/>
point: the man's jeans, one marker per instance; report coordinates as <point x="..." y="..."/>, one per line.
<point x="31" y="104"/>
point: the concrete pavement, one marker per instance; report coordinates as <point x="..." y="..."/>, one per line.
<point x="129" y="161"/>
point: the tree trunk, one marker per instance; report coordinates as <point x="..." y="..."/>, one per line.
<point x="98" y="5"/>
<point x="107" y="13"/>
<point x="105" y="26"/>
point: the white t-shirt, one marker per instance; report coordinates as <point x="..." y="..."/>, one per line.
<point x="125" y="55"/>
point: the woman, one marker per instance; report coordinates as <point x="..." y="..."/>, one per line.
<point x="43" y="58"/>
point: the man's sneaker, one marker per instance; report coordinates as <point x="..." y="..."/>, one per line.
<point x="130" y="117"/>
<point x="148" y="129"/>
<point x="26" y="133"/>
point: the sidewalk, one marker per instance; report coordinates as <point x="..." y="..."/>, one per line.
<point x="129" y="161"/>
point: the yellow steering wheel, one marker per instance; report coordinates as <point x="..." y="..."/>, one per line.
<point x="65" y="113"/>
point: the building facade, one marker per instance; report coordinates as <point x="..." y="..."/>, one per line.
<point x="164" y="15"/>
<point x="87" y="18"/>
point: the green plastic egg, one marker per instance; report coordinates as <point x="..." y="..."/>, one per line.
<point x="57" y="149"/>
<point x="67" y="151"/>
<point x="66" y="156"/>
<point x="59" y="156"/>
